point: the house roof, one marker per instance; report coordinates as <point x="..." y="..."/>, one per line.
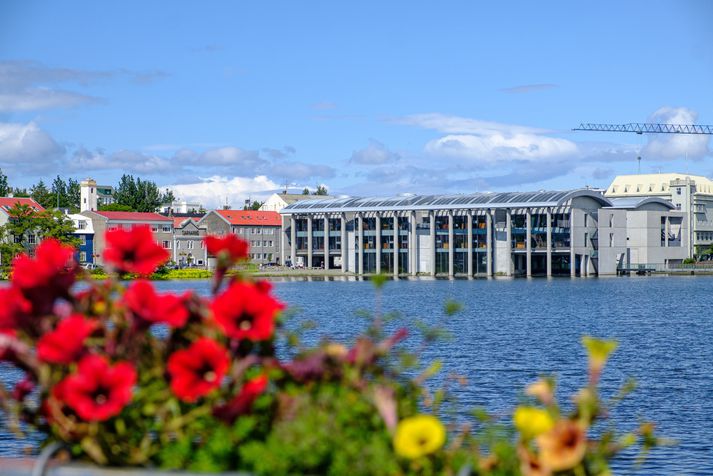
<point x="633" y="203"/>
<point x="8" y="202"/>
<point x="438" y="202"/>
<point x="250" y="217"/>
<point x="88" y="224"/>
<point x="179" y="221"/>
<point x="134" y="216"/>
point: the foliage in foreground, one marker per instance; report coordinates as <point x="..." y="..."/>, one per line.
<point x="128" y="376"/>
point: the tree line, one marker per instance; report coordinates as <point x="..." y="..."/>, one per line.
<point x="131" y="194"/>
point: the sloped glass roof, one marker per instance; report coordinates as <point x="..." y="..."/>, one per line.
<point x="432" y="202"/>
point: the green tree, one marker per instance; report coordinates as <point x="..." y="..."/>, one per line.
<point x="4" y="187"/>
<point x="255" y="205"/>
<point x="167" y="197"/>
<point x="139" y="195"/>
<point x="26" y="227"/>
<point x="305" y="191"/>
<point x="321" y="190"/>
<point x="59" y="193"/>
<point x="73" y="195"/>
<point x="115" y="207"/>
<point x="21" y="192"/>
<point x="41" y="194"/>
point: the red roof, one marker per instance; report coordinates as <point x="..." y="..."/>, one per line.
<point x="9" y="202"/>
<point x="133" y="216"/>
<point x="251" y="217"/>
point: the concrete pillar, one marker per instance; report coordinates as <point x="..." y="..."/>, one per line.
<point x="309" y="241"/>
<point x="432" y="216"/>
<point x="396" y="245"/>
<point x="469" y="237"/>
<point x="572" y="255"/>
<point x="489" y="242"/>
<point x="667" y="229"/>
<point x="282" y="240"/>
<point x="528" y="243"/>
<point x="508" y="238"/>
<point x="451" y="244"/>
<point x="344" y="248"/>
<point x="549" y="242"/>
<point x="378" y="242"/>
<point x="413" y="246"/>
<point x="293" y="239"/>
<point x="360" y="248"/>
<point x="583" y="265"/>
<point x="326" y="242"/>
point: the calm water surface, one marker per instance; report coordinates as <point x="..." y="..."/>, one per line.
<point x="512" y="331"/>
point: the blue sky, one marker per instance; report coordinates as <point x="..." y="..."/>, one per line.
<point x="225" y="100"/>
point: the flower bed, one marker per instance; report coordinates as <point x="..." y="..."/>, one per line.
<point x="211" y="394"/>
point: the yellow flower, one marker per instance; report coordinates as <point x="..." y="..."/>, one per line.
<point x="531" y="421"/>
<point x="418" y="436"/>
<point x="598" y="350"/>
<point x="564" y="446"/>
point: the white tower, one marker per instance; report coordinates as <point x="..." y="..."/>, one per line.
<point x="88" y="195"/>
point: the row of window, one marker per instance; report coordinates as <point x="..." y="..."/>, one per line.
<point x="188" y="245"/>
<point x="262" y="256"/>
<point x="244" y="230"/>
<point x="154" y="228"/>
<point x="704" y="235"/>
<point x="256" y="243"/>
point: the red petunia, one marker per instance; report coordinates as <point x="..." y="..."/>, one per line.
<point x="246" y="311"/>
<point x="143" y="301"/>
<point x="47" y="276"/>
<point x="13" y="309"/>
<point x="197" y="370"/>
<point x="66" y="343"/>
<point x="134" y="251"/>
<point x="230" y="247"/>
<point x="243" y="401"/>
<point x="98" y="391"/>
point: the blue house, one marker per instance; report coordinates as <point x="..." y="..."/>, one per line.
<point x="84" y="230"/>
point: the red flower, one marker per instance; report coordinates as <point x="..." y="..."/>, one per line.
<point x="14" y="307"/>
<point x="197" y="370"/>
<point x="229" y="248"/>
<point x="134" y="251"/>
<point x="66" y="343"/>
<point x="47" y="276"/>
<point x="143" y="301"/>
<point x="243" y="401"/>
<point x="245" y="311"/>
<point x="98" y="391"/>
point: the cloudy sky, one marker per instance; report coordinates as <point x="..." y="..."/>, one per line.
<point x="223" y="101"/>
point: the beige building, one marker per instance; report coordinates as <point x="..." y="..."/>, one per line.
<point x="690" y="194"/>
<point x="278" y="201"/>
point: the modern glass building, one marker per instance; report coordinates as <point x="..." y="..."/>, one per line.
<point x="484" y="234"/>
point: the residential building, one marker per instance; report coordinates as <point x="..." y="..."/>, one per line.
<point x="483" y="234"/>
<point x="277" y="201"/>
<point x="6" y="203"/>
<point x="93" y="196"/>
<point x="188" y="246"/>
<point x="691" y="194"/>
<point x="260" y="229"/>
<point x="180" y="207"/>
<point x="161" y="226"/>
<point x="84" y="230"/>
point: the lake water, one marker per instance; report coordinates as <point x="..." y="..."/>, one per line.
<point x="511" y="331"/>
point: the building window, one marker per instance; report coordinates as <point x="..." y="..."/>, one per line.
<point x="586" y="219"/>
<point x="200" y="262"/>
<point x="83" y="239"/>
<point x="678" y="191"/>
<point x="611" y="239"/>
<point x="189" y="245"/>
<point x="166" y="228"/>
<point x="167" y="244"/>
<point x="81" y="225"/>
<point x="31" y="239"/>
<point x="154" y="228"/>
<point x="178" y="245"/>
<point x="82" y="256"/>
<point x="611" y="221"/>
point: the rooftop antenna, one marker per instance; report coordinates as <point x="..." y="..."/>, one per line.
<point x="638" y="159"/>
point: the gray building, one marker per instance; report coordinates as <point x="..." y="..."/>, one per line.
<point x="261" y="229"/>
<point x="188" y="247"/>
<point x="483" y="234"/>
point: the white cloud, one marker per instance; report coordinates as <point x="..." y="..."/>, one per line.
<point x="675" y="146"/>
<point x="213" y="192"/>
<point x="375" y="153"/>
<point x="496" y="148"/>
<point x="124" y="160"/>
<point x="27" y="144"/>
<point x="464" y="125"/>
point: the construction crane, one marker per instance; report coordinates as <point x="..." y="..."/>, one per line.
<point x="647" y="128"/>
